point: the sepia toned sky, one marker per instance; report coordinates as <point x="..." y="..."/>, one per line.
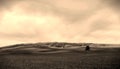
<point x="26" y="21"/>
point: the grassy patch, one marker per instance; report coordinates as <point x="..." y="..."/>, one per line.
<point x="96" y="59"/>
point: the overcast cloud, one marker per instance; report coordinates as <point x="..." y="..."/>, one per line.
<point x="24" y="21"/>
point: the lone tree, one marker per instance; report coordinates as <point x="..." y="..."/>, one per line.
<point x="87" y="48"/>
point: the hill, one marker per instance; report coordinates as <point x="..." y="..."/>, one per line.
<point x="57" y="55"/>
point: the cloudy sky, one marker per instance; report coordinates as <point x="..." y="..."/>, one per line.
<point x="26" y="21"/>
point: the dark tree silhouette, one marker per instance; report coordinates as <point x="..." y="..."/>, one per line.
<point x="87" y="48"/>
